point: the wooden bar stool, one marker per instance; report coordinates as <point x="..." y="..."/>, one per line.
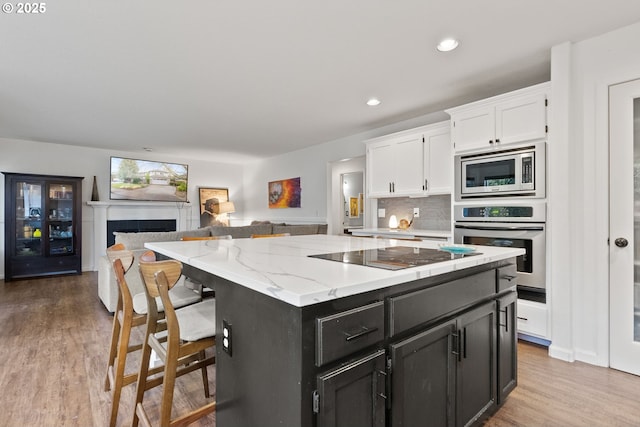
<point x="128" y="315"/>
<point x="190" y="331"/>
<point x="124" y="319"/>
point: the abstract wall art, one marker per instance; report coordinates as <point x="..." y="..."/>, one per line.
<point x="285" y="193"/>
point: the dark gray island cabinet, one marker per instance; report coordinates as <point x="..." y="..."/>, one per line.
<point x="434" y="351"/>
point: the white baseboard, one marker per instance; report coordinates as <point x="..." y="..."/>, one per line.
<point x="561" y="353"/>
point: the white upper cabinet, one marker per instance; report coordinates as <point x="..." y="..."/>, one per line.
<point x="438" y="159"/>
<point x="492" y="123"/>
<point x="417" y="162"/>
<point x="394" y="166"/>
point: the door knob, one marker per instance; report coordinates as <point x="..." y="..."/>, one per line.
<point x="621" y="242"/>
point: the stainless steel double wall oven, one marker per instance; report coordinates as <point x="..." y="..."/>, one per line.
<point x="500" y="201"/>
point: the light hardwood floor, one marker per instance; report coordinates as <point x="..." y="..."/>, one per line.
<point x="54" y="335"/>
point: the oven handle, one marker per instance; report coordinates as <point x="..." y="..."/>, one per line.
<point x="500" y="228"/>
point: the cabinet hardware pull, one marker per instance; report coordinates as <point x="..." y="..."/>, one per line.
<point x="515" y="228"/>
<point x="382" y="373"/>
<point x="426" y="185"/>
<point x="522" y="318"/>
<point x="464" y="343"/>
<point x="456" y="344"/>
<point x="491" y="141"/>
<point x="506" y="319"/>
<point x="497" y="140"/>
<point x="509" y="277"/>
<point x="382" y="396"/>
<point x="363" y="332"/>
<point x="389" y="187"/>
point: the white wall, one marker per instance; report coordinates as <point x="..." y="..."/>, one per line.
<point x="311" y="165"/>
<point x="581" y="75"/>
<point x="55" y="159"/>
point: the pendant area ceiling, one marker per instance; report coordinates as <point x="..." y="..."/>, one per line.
<point x="241" y="80"/>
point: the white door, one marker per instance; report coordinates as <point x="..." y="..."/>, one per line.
<point x="624" y="226"/>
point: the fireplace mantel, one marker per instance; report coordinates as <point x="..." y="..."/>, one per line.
<point x="132" y="203"/>
<point x="104" y="211"/>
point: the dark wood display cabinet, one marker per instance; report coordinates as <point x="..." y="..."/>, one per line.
<point x="43" y="225"/>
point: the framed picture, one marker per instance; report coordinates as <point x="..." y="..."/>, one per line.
<point x="285" y="193"/>
<point x="209" y="197"/>
<point x="354" y="209"/>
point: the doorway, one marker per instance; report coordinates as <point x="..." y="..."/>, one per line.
<point x="338" y="217"/>
<point x="352" y="200"/>
<point x="624" y="226"/>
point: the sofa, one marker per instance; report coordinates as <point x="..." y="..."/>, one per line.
<point x="108" y="288"/>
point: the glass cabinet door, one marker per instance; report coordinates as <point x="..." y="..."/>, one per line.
<point x="28" y="219"/>
<point x="60" y="219"/>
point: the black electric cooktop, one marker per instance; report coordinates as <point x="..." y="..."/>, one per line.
<point x="393" y="258"/>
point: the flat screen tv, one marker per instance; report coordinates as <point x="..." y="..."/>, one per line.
<point x="146" y="180"/>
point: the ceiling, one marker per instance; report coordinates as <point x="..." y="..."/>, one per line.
<point x="239" y="80"/>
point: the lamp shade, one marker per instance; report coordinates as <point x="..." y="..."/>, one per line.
<point x="224" y="207"/>
<point x="393" y="222"/>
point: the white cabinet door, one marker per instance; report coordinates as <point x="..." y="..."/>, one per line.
<point x="624" y="226"/>
<point x="380" y="168"/>
<point x="408" y="166"/>
<point x="521" y="119"/>
<point x="438" y="161"/>
<point x="474" y="129"/>
<point x="511" y="118"/>
<point x="409" y="162"/>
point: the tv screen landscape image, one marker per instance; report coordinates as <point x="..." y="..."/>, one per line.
<point x="146" y="180"/>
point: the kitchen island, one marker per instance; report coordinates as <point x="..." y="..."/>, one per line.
<point x="315" y="342"/>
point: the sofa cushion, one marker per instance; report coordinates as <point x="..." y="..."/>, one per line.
<point x="296" y="229"/>
<point x="240" y="232"/>
<point x="136" y="240"/>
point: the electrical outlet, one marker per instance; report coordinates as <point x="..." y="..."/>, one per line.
<point x="381" y="213"/>
<point x="226" y="337"/>
<point x="416" y="212"/>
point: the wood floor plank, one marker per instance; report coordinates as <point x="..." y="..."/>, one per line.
<point x="551" y="392"/>
<point x="55" y="332"/>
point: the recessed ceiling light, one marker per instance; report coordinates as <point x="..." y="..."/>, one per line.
<point x="447" y="45"/>
<point x="147" y="149"/>
<point x="373" y="102"/>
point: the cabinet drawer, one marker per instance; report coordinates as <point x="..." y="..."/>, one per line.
<point x="344" y="333"/>
<point x="506" y="277"/>
<point x="412" y="309"/>
<point x="41" y="266"/>
<point x="532" y="318"/>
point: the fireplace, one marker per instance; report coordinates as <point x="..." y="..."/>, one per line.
<point x="132" y="216"/>
<point x="137" y="225"/>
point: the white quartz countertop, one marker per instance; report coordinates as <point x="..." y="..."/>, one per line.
<point x="407" y="233"/>
<point x="281" y="267"/>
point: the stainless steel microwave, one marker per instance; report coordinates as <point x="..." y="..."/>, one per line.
<point x="516" y="172"/>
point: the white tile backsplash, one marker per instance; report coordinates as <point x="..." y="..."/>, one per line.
<point x="435" y="211"/>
